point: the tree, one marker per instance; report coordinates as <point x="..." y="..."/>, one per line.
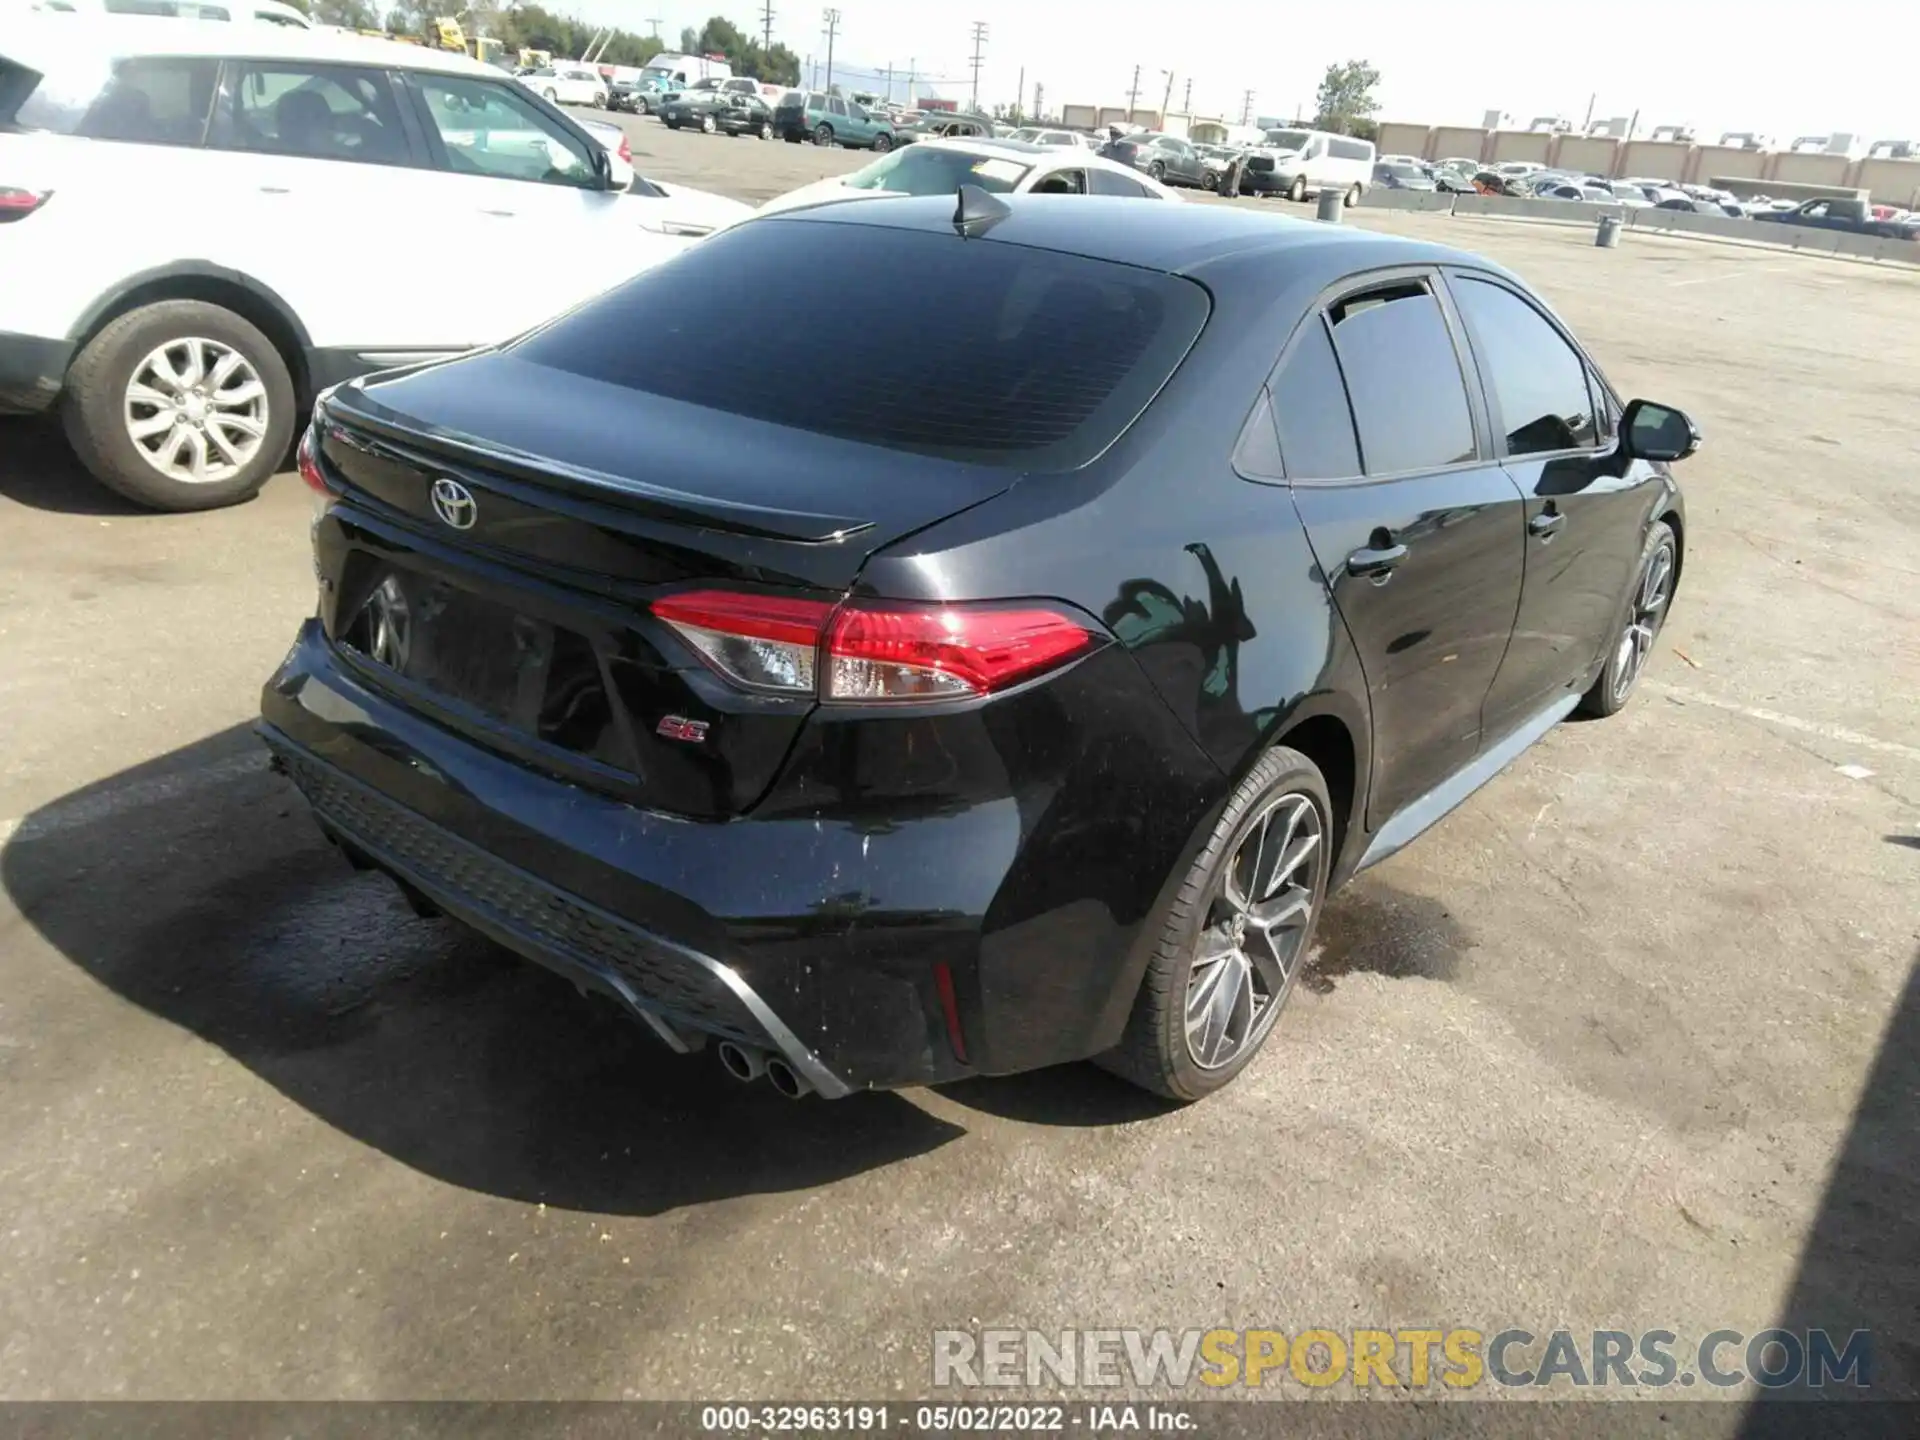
<point x="354" y="14"/>
<point x="1346" y="96"/>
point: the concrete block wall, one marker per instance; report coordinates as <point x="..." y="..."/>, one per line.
<point x="1890" y="182"/>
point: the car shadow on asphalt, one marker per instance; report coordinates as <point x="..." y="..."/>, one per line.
<point x="38" y="469"/>
<point x="1860" y="1267"/>
<point x="197" y="887"/>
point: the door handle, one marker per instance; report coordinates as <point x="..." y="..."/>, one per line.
<point x="1375" y="562"/>
<point x="1546" y="524"/>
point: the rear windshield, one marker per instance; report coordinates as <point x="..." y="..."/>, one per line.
<point x="158" y="99"/>
<point x="964" y="349"/>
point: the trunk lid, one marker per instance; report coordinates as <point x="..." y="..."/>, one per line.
<point x="515" y="611"/>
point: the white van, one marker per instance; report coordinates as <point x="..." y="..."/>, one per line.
<point x="264" y="12"/>
<point x="1297" y="163"/>
<point x="671" y="71"/>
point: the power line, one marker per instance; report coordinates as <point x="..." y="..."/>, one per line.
<point x="979" y="40"/>
<point x="832" y="17"/>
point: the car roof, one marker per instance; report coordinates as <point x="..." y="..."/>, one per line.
<point x="40" y="41"/>
<point x="1040" y="157"/>
<point x="1174" y="239"/>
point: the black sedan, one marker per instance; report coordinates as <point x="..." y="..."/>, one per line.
<point x="694" y="109"/>
<point x="745" y="115"/>
<point x="1021" y="710"/>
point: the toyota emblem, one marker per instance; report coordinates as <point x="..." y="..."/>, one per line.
<point x="454" y="504"/>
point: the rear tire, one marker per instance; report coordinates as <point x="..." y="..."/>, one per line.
<point x="97" y="411"/>
<point x="1158" y="172"/>
<point x="551" y="100"/>
<point x="1642" y="615"/>
<point x="707" y="125"/>
<point x="1353" y="197"/>
<point x="823" y="135"/>
<point x="1157" y="1051"/>
<point x="766" y="132"/>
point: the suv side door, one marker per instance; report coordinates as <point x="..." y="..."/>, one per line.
<point x="1555" y="428"/>
<point x="521" y="193"/>
<point x="1418" y="532"/>
<point x="308" y="149"/>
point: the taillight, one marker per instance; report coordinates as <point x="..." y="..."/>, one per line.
<point x="866" y="651"/>
<point x="16" y="203"/>
<point x="625" y="151"/>
<point x="307" y="458"/>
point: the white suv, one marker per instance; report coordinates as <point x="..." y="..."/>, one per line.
<point x="202" y="226"/>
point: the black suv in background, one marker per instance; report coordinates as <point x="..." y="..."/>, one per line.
<point x="1167" y="158"/>
<point x="880" y="733"/>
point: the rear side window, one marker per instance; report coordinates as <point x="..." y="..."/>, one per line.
<point x="1311" y="414"/>
<point x="1105" y="182"/>
<point x="151" y="100"/>
<point x="319" y="112"/>
<point x="1349" y="149"/>
<point x="1409" y="401"/>
<point x="965" y="349"/>
<point x="1537" y="381"/>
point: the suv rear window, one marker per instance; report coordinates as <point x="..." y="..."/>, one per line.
<point x="964" y="349"/>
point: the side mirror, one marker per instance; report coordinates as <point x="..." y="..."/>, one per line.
<point x="603" y="169"/>
<point x="1658" y="432"/>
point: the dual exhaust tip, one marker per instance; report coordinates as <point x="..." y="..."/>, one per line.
<point x="747" y="1063"/>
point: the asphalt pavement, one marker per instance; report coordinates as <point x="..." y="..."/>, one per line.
<point x="1628" y="1041"/>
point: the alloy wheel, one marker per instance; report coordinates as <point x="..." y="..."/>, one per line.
<point x="1643" y="620"/>
<point x="1252" y="943"/>
<point x="196" y="410"/>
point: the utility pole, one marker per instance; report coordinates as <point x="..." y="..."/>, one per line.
<point x="979" y="41"/>
<point x="656" y="28"/>
<point x="832" y="17"/>
<point x="1020" y="98"/>
<point x="1133" y="94"/>
<point x="1039" y="101"/>
<point x="766" y="27"/>
<point x="1246" y="108"/>
<point x="1165" y="101"/>
<point x="888" y="72"/>
<point x="1187" y="104"/>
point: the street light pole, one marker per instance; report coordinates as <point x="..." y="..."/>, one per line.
<point x="832" y="17"/>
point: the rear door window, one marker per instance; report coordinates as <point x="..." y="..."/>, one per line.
<point x="1311" y="413"/>
<point x="1105" y="182"/>
<point x="1403" y="374"/>
<point x="999" y="354"/>
<point x="318" y="112"/>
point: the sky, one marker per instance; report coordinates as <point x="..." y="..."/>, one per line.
<point x="1841" y="65"/>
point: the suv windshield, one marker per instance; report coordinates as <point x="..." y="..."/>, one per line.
<point x="1404" y="172"/>
<point x="927" y="170"/>
<point x="1286" y="139"/>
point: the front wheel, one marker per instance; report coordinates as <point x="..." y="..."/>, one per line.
<point x="641" y="107"/>
<point x="552" y="99"/>
<point x="766" y="132"/>
<point x="1646" y="612"/>
<point x="707" y="125"/>
<point x="1297" y="192"/>
<point x="882" y="144"/>
<point x="180" y="405"/>
<point x="823" y="134"/>
<point x="1235" y="935"/>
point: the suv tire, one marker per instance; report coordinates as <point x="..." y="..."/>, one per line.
<point x="823" y="134"/>
<point x="1155" y="1051"/>
<point x="882" y="144"/>
<point x="95" y="409"/>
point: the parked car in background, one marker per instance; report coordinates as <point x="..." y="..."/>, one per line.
<point x="1692" y="206"/>
<point x="567" y="83"/>
<point x="1004" y="167"/>
<point x="1566" y="190"/>
<point x="179" y="354"/>
<point x="946" y="125"/>
<point x="696" y="109"/>
<point x="1851" y="217"/>
<point x="1402" y="175"/>
<point x="745" y="115"/>
<point x="909" y="753"/>
<point x="830" y="120"/>
<point x="1452" y="182"/>
<point x="1168" y="159"/>
<point x="263" y="12"/>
